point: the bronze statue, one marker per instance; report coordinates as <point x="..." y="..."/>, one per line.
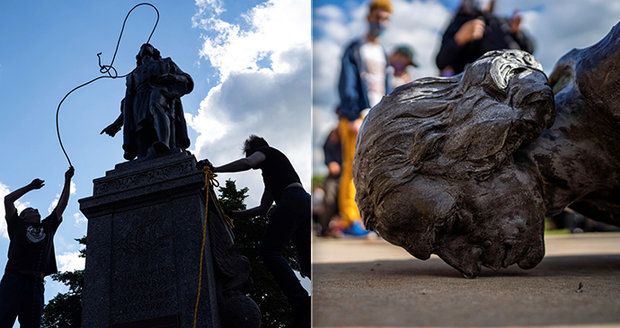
<point x="467" y="167"/>
<point x="151" y="112"/>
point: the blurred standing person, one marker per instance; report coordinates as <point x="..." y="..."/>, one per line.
<point x="363" y="82"/>
<point x="401" y="60"/>
<point x="475" y="30"/>
<point x="332" y="151"/>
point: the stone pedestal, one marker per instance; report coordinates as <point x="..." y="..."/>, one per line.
<point x="143" y="247"/>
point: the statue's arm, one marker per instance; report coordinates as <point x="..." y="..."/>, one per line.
<point x="181" y="81"/>
<point x="113" y="128"/>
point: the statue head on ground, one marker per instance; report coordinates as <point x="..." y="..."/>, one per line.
<point x="438" y="166"/>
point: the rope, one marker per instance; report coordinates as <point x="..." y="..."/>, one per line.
<point x="110" y="70"/>
<point x="209" y="180"/>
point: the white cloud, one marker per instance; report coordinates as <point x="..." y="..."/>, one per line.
<point x="4" y="190"/>
<point x="79" y="219"/>
<point x="564" y="25"/>
<point x="556" y="26"/>
<point x="264" y="87"/>
<point x="70" y="261"/>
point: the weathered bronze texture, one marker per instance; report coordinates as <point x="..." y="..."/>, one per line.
<point x="151" y="112"/>
<point x="467" y="167"/>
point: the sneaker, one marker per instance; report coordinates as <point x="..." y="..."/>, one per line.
<point x="356" y="230"/>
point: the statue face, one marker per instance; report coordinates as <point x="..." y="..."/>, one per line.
<point x="440" y="168"/>
<point x="499" y="223"/>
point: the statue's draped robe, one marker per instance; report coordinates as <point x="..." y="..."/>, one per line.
<point x="146" y="97"/>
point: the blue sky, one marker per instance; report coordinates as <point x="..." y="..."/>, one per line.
<point x="556" y="26"/>
<point x="50" y="47"/>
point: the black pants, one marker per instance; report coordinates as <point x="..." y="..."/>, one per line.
<point x="290" y="220"/>
<point x="21" y="296"/>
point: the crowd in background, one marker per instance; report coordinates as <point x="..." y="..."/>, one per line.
<point x="368" y="72"/>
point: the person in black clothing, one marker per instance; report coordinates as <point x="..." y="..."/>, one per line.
<point x="31" y="256"/>
<point x="475" y="30"/>
<point x="290" y="220"/>
<point x="332" y="151"/>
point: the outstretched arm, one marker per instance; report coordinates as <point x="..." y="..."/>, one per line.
<point x="113" y="128"/>
<point x="265" y="204"/>
<point x="242" y="164"/>
<point x="64" y="195"/>
<point x="9" y="200"/>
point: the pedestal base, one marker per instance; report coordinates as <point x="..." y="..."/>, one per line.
<point x="143" y="247"/>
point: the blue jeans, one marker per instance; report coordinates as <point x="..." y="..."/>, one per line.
<point x="21" y="296"/>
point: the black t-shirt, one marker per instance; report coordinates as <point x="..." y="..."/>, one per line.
<point x="277" y="171"/>
<point x="31" y="249"/>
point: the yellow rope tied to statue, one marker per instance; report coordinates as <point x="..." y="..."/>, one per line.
<point x="209" y="180"/>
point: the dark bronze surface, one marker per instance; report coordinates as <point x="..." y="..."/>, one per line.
<point x="467" y="167"/>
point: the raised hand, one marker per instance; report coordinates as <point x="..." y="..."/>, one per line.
<point x="37" y="184"/>
<point x="205" y="162"/>
<point x="70" y="172"/>
<point x="470" y="31"/>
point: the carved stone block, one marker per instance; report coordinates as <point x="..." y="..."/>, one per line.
<point x="143" y="250"/>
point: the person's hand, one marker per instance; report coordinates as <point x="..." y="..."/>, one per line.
<point x="354" y="126"/>
<point x="515" y="23"/>
<point x="333" y="168"/>
<point x="37" y="184"/>
<point x="70" y="172"/>
<point x="471" y="31"/>
<point x="205" y="162"/>
<point x="111" y="130"/>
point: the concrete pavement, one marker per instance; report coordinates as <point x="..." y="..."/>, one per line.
<point x="370" y="283"/>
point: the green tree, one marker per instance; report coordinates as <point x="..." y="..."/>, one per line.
<point x="65" y="309"/>
<point x="276" y="312"/>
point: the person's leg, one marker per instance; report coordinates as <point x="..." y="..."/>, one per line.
<point x="290" y="220"/>
<point x="301" y="239"/>
<point x="10" y="296"/>
<point x="277" y="235"/>
<point x="330" y="204"/>
<point x="31" y="307"/>
<point x="302" y="235"/>
<point x="349" y="212"/>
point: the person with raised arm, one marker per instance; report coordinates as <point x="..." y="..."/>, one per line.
<point x="31" y="256"/>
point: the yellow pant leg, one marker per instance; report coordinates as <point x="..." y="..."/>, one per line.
<point x="346" y="195"/>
